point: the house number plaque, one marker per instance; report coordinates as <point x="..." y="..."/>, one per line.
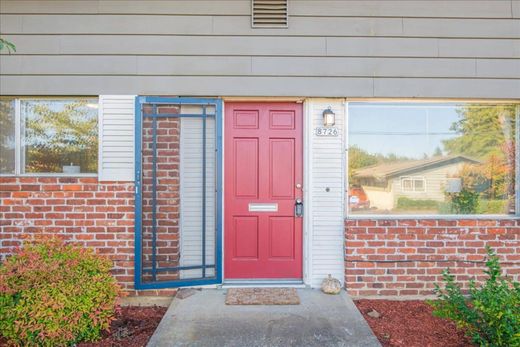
<point x="322" y="131"/>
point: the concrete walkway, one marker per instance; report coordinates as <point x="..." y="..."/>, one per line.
<point x="203" y="319"/>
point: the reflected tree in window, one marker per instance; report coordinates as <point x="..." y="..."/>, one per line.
<point x="487" y="133"/>
<point x="60" y="134"/>
<point x="359" y="158"/>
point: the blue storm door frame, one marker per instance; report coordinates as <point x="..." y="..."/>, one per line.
<point x="154" y="270"/>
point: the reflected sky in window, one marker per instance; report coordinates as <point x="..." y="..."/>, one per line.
<point x="411" y="131"/>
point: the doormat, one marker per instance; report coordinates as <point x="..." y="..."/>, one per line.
<point x="262" y="296"/>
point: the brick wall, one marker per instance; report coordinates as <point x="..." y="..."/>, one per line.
<point x="99" y="215"/>
<point x="382" y="257"/>
<point x="406" y="257"/>
<point x="167" y="199"/>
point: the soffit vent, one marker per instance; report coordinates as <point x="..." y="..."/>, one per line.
<point x="269" y="13"/>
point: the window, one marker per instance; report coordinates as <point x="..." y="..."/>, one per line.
<point x="48" y="136"/>
<point x="7" y="138"/>
<point x="413" y="184"/>
<point x="431" y="158"/>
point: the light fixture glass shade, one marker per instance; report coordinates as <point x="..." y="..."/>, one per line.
<point x="329" y="118"/>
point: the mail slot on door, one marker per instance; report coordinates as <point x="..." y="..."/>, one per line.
<point x="262" y="207"/>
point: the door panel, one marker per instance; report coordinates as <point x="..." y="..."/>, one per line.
<point x="281" y="237"/>
<point x="246" y="238"/>
<point x="263" y="167"/>
<point x="246" y="174"/>
<point x="281" y="178"/>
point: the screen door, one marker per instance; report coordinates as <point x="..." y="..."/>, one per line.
<point x="178" y="192"/>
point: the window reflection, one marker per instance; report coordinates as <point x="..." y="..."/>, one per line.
<point x="431" y="158"/>
<point x="59" y="136"/>
<point x="7" y="136"/>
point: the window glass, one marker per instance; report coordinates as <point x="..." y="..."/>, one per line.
<point x="59" y="136"/>
<point x="7" y="136"/>
<point x="418" y="184"/>
<point x="417" y="158"/>
<point x="406" y="184"/>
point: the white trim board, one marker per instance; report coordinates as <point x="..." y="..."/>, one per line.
<point x="307" y="201"/>
<point x="324" y="167"/>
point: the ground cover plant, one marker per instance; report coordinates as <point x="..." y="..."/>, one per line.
<point x="53" y="294"/>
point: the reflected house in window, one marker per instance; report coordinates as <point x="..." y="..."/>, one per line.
<point x="424" y="180"/>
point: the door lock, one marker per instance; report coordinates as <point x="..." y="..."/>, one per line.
<point x="298" y="208"/>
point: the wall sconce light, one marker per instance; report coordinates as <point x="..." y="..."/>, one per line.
<point x="329" y="118"/>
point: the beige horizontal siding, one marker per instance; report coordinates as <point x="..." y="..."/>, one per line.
<point x="169" y="45"/>
<point x="458" y="49"/>
<point x="425" y="8"/>
<point x="264" y="46"/>
<point x="262" y="86"/>
<point x="177" y="7"/>
<point x="241" y="25"/>
<point x="259" y="66"/>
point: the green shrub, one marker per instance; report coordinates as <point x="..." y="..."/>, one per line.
<point x="490" y="314"/>
<point x="404" y="203"/>
<point x="464" y="202"/>
<point x="52" y="294"/>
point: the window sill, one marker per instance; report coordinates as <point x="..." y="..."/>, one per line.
<point x="80" y="175"/>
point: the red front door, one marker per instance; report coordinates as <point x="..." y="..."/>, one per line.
<point x="263" y="178"/>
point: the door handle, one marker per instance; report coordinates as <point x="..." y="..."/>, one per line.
<point x="298" y="208"/>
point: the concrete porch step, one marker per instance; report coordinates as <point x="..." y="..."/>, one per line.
<point x="203" y="319"/>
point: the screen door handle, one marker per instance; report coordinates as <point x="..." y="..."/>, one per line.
<point x="298" y="208"/>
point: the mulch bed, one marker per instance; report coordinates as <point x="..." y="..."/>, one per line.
<point x="410" y="323"/>
<point x="133" y="327"/>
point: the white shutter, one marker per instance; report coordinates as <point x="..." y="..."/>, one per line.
<point x="116" y="137"/>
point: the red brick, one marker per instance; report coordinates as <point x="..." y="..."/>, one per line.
<point x="484" y="222"/>
<point x="104" y="236"/>
<point x="20" y="194"/>
<point x="4" y="180"/>
<point x="468" y="223"/>
<point x="496" y="231"/>
<point x="386" y="222"/>
<point x="115" y="215"/>
<point x="30" y="187"/>
<point x="385" y="250"/>
<point x="72" y="187"/>
<point x="88" y="180"/>
<point x="366" y="223"/>
<point x="98" y="202"/>
<point x="9" y="187"/>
